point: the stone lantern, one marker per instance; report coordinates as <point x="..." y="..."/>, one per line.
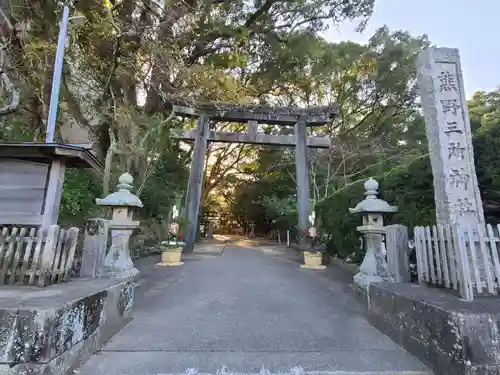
<point x="122" y="203"/>
<point x="374" y="265"/>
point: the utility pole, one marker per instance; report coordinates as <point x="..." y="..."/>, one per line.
<point x="56" y="80"/>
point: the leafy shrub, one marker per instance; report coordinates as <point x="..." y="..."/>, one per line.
<point x="78" y="197"/>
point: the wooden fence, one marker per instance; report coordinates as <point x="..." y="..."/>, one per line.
<point x="35" y="257"/>
<point x="464" y="258"/>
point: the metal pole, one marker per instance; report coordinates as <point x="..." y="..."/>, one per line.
<point x="56" y="80"/>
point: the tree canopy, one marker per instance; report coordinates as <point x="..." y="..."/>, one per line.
<point x="126" y="62"/>
<point x="380" y="124"/>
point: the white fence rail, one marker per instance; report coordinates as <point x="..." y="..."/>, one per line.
<point x="30" y="256"/>
<point x="465" y="258"/>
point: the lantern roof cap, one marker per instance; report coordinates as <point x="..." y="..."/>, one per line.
<point x="372" y="204"/>
<point x="122" y="197"/>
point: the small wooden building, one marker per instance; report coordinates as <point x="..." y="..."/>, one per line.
<point x="32" y="177"/>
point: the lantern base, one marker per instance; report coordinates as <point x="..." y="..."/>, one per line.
<point x="363" y="280"/>
<point x="131" y="273"/>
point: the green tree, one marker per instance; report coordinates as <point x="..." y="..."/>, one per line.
<point x="127" y="61"/>
<point x="379" y="128"/>
<point x="484" y="110"/>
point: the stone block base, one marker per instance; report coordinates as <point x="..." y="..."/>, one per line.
<point x="51" y="330"/>
<point x="448" y="335"/>
<point x="313" y="267"/>
<point x="361" y="295"/>
<point x="163" y="264"/>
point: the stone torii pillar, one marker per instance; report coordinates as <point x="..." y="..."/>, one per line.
<point x="302" y="177"/>
<point x="252" y="115"/>
<point x="195" y="183"/>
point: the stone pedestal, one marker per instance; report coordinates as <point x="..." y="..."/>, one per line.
<point x="122" y="203"/>
<point x="210" y="231"/>
<point x="95" y="246"/>
<point x="252" y="231"/>
<point x="118" y="262"/>
<point x="373" y="269"/>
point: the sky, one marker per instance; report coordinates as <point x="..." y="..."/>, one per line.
<point x="472" y="27"/>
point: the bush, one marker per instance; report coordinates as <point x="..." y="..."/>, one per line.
<point x="78" y="198"/>
<point x="338" y="223"/>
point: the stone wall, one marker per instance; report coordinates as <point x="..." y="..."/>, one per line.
<point x="449" y="335"/>
<point x="57" y="327"/>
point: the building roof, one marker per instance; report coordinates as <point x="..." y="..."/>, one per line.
<point x="76" y="156"/>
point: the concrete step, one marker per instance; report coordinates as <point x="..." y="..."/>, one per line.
<point x="339" y="362"/>
<point x="305" y="373"/>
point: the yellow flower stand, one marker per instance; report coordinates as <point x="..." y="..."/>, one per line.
<point x="171" y="257"/>
<point x="313" y="260"/>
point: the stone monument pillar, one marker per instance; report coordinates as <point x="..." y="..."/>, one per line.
<point x="374" y="267"/>
<point x="449" y="136"/>
<point x="122" y="204"/>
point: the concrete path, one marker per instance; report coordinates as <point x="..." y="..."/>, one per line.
<point x="249" y="310"/>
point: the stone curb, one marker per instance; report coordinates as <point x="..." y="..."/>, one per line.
<point x="351" y="267"/>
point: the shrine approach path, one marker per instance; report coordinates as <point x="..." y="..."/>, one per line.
<point x="250" y="310"/>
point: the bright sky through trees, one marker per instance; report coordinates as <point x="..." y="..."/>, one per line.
<point x="471" y="27"/>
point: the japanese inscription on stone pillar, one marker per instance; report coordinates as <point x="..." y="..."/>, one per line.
<point x="449" y="136"/>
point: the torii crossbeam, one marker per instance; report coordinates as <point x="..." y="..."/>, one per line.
<point x="253" y="115"/>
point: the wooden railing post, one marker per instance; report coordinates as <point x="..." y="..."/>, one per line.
<point x="48" y="254"/>
<point x="36" y="256"/>
<point x="69" y="250"/>
<point x="463" y="274"/>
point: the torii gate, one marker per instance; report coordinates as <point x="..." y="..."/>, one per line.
<point x="253" y="115"/>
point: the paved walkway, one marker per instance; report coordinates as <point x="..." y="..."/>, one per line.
<point x="249" y="310"/>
